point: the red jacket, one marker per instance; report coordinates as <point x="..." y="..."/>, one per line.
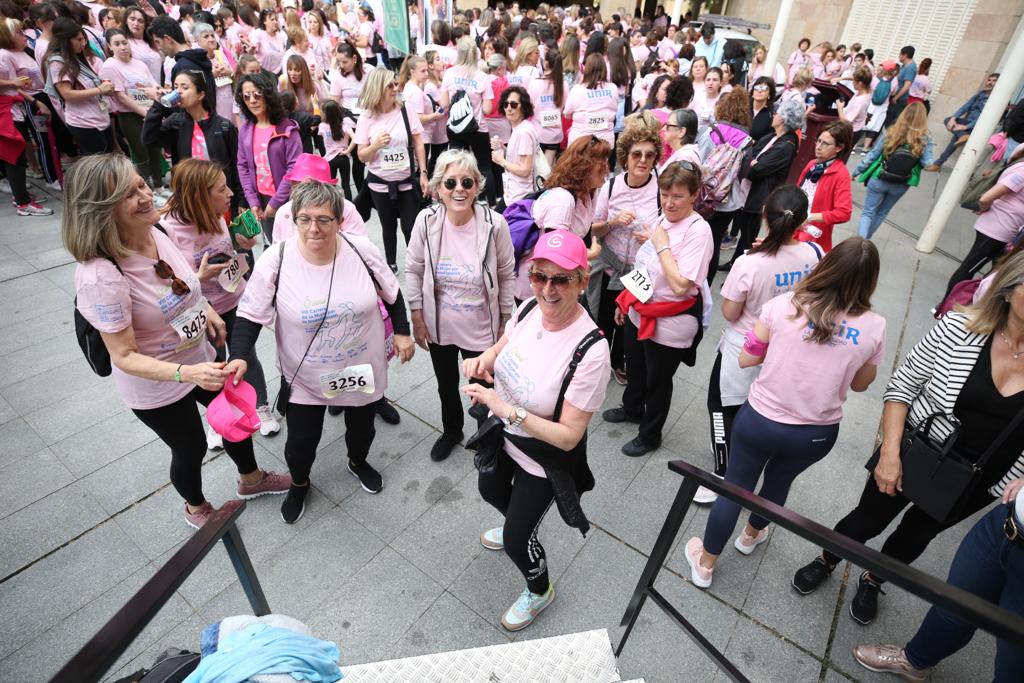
<point x="832" y="200"/>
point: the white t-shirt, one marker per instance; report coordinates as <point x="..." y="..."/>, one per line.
<point x="641" y="201"/>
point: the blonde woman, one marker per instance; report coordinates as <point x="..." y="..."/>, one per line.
<point x="466" y="77"/>
<point x="525" y="67"/>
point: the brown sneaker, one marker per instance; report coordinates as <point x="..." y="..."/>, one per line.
<point x="272" y="482"/>
<point x="889" y="659"/>
<point x="198" y="518"/>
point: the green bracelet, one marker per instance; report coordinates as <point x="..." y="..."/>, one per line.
<point x="177" y="373"/>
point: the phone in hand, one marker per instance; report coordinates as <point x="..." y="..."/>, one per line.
<point x="218" y="259"/>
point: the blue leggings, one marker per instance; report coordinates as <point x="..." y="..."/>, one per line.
<point x="781" y="451"/>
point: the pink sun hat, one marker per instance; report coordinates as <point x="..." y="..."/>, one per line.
<point x="232" y="412"/>
<point x="310" y="167"/>
<point x="563" y="248"/>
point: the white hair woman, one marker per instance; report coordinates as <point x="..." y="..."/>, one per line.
<point x="460" y="278"/>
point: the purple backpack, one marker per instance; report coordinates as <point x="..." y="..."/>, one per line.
<point x="522" y="227"/>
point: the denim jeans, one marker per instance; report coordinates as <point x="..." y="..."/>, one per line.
<point x="991" y="567"/>
<point x="878" y="202"/>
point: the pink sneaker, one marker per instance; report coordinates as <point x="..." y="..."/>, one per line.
<point x="271" y="483"/>
<point x="198" y="518"/>
<point x="746" y="544"/>
<point x="701" y="576"/>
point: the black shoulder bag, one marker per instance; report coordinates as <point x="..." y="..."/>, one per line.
<point x="424" y="201"/>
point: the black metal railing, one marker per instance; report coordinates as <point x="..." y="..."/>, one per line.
<point x="103" y="649"/>
<point x="967" y="606"/>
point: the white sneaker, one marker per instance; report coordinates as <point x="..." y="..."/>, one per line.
<point x="268" y="423"/>
<point x="493" y="539"/>
<point x="55" y="185"/>
<point x="746" y="544"/>
<point x="33" y="173"/>
<point x="33" y="209"/>
<point x="704" y="496"/>
<point x="5" y="186"/>
<point x="701" y="576"/>
<point x="522" y="613"/>
<point x="214" y="441"/>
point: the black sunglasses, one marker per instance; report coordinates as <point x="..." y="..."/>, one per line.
<point x="559" y="281"/>
<point x="467" y="183"/>
<point x="511" y="104"/>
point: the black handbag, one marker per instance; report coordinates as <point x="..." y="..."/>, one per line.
<point x="936" y="478"/>
<point x="488" y="441"/>
<point x="423" y="200"/>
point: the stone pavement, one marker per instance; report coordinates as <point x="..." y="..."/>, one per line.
<point x="87" y="513"/>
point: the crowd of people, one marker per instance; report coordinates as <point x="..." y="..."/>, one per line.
<point x="565" y="185"/>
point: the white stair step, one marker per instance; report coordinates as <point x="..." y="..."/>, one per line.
<point x="584" y="657"/>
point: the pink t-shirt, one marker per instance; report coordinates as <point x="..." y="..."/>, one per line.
<point x="141" y="300"/>
<point x="547" y="116"/>
<point x="691" y="245"/>
<point x="366" y="29"/>
<point x="148" y="56"/>
<point x="477" y="85"/>
<point x="264" y="177"/>
<point x="757" y="278"/>
<point x="1005" y="218"/>
<point x="689" y="153"/>
<point x="529" y="370"/>
<point x="193" y="245"/>
<point x="523" y="142"/>
<point x="803" y="382"/>
<point x="437" y="132"/>
<point x="641" y="201"/>
<point x="392" y="162"/>
<point x="333" y="147"/>
<point x="346" y="89"/>
<point x="524" y="75"/>
<point x="127" y="77"/>
<point x="463" y="315"/>
<point x="856" y="111"/>
<point x="418" y="104"/>
<point x="284" y="224"/>
<point x="353" y="331"/>
<point x="269" y="49"/>
<point x="592" y="111"/>
<point x="14" y="65"/>
<point x="89" y="113"/>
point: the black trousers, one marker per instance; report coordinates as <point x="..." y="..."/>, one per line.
<point x="875" y="512"/>
<point x="721" y="418"/>
<point x="445" y="359"/>
<point x="16" y="178"/>
<point x="306" y="427"/>
<point x="480" y="145"/>
<point x="254" y="374"/>
<point x="983" y="250"/>
<point x="648" y="393"/>
<point x="148" y="159"/>
<point x="606" y="321"/>
<point x="348" y="165"/>
<point x="719" y="223"/>
<point x="62" y="136"/>
<point x="92" y="141"/>
<point x="179" y="426"/>
<point x="393" y="213"/>
<point x="749" y="225"/>
<point x="434" y="150"/>
<point x="524" y="500"/>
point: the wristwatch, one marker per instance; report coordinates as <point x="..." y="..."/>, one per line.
<point x="516" y="416"/>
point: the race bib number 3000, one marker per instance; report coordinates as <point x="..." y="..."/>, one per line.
<point x="353" y="378"/>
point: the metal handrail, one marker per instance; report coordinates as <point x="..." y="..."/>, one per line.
<point x="967" y="606"/>
<point x="104" y="648"/>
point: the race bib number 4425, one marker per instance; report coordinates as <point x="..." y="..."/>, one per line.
<point x="394" y="158"/>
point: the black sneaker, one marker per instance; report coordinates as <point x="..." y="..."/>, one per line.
<point x="809" y="577"/>
<point x="616" y="415"/>
<point x="334" y="410"/>
<point x="443" y="446"/>
<point x="387" y="412"/>
<point x="294" y="503"/>
<point x="638" y="447"/>
<point x="369" y="478"/>
<point x="864" y="607"/>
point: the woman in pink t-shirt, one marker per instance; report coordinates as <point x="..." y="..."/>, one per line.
<point x="815" y="343"/>
<point x="437" y="135"/>
<point x="269" y="42"/>
<point x="328" y="297"/>
<point x="516" y="159"/>
<point x="413" y="78"/>
<point x="544" y="430"/>
<point x="705" y="100"/>
<point x="297" y="79"/>
<point x="466" y="77"/>
<point x="524" y="68"/>
<point x="137" y="289"/>
<point x="347" y="80"/>
<point x="773" y="267"/>
<point x="136" y="27"/>
<point x="75" y="74"/>
<point x="459" y="275"/>
<point x="548" y="96"/>
<point x="396" y="163"/>
<point x="662" y="308"/>
<point x="593" y="103"/>
<point x="856" y="110"/>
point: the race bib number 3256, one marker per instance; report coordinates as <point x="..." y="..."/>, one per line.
<point x="352" y="378"/>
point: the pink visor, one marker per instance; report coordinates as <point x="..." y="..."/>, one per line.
<point x="232" y="413"/>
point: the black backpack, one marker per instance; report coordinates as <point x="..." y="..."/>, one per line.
<point x="899" y="166"/>
<point x="171" y="666"/>
<point x="377" y="44"/>
<point x="90" y="341"/>
<point x="650" y="63"/>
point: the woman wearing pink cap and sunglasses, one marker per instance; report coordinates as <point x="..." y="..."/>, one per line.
<point x="544" y="450"/>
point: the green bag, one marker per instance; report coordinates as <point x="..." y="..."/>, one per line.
<point x="978" y="185"/>
<point x="245" y="224"/>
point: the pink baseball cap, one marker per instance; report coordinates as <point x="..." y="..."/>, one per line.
<point x="310" y="167"/>
<point x="232" y="412"/>
<point x="889" y="65"/>
<point x="563" y="248"/>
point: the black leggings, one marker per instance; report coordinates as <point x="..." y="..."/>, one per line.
<point x="648" y="395"/>
<point x="16" y="178"/>
<point x="348" y="165"/>
<point x="876" y="510"/>
<point x="306" y="426"/>
<point x="983" y="250"/>
<point x="719" y="223"/>
<point x="392" y="213"/>
<point x="606" y="321"/>
<point x="92" y="141"/>
<point x="254" y="374"/>
<point x="434" y="150"/>
<point x="179" y="426"/>
<point x="721" y="418"/>
<point x="148" y="159"/>
<point x="524" y="500"/>
<point x="446" y="367"/>
<point x="480" y="145"/>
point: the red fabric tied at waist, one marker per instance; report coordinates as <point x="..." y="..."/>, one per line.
<point x="11" y="142"/>
<point x="651" y="311"/>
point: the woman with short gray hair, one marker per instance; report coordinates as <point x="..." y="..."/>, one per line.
<point x="769" y="165"/>
<point x="460" y="277"/>
<point x="331" y="299"/>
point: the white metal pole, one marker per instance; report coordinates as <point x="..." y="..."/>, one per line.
<point x="778" y="30"/>
<point x="949" y="199"/>
<point x="677" y="11"/>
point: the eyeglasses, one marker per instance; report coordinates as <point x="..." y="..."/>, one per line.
<point x="393" y="84"/>
<point x="304" y="221"/>
<point x="254" y="96"/>
<point x="165" y="272"/>
<point x="511" y="104"/>
<point x="467" y="183"/>
<point x="559" y="281"/>
<point x="760" y="88"/>
<point x="824" y="143"/>
<point x="672" y="125"/>
<point x="637" y="155"/>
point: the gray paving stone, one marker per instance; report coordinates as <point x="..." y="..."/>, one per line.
<point x="763" y="656"/>
<point x="6" y="411"/>
<point x="29" y="478"/>
<point x="47" y="524"/>
<point x="81" y="411"/>
<point x="156" y="523"/>
<point x="63" y="276"/>
<point x="28" y="333"/>
<point x="103" y="443"/>
<point x="73" y="377"/>
<point x="17" y="440"/>
<point x="12" y="265"/>
<point x="45" y="355"/>
<point x="447" y="625"/>
<point x="131" y="477"/>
